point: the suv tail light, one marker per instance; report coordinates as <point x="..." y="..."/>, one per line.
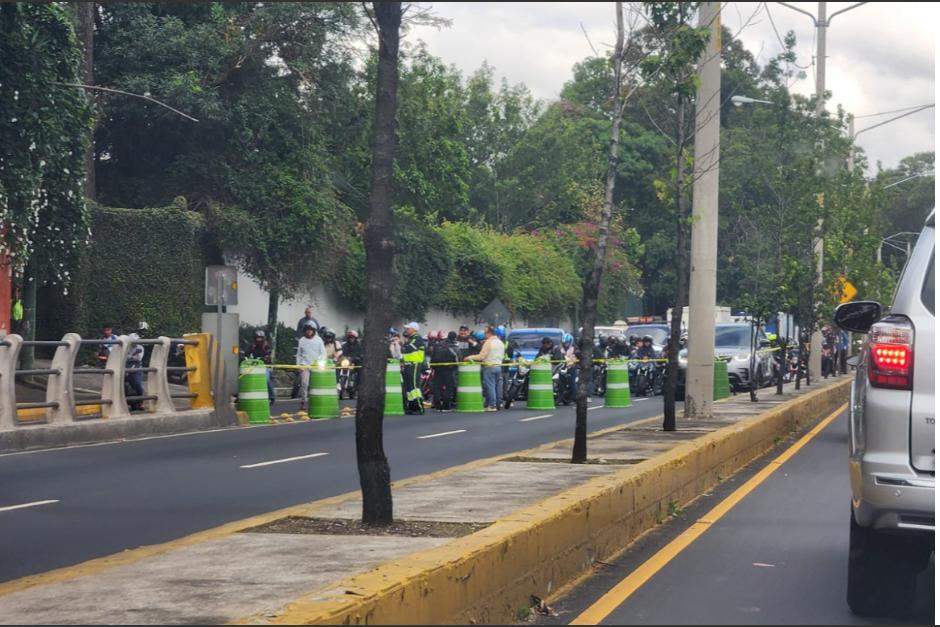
<point x="891" y="348"/>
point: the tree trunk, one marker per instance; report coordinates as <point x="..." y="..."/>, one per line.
<point x="374" y="471"/>
<point x="682" y="263"/>
<point x="85" y="31"/>
<point x="593" y="282"/>
<point x="274" y="300"/>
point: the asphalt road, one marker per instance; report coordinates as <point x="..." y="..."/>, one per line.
<point x="111" y="497"/>
<point x="778" y="557"/>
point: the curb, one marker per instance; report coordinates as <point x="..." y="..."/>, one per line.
<point x="484" y="577"/>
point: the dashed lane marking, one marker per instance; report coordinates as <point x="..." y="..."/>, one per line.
<point x="438" y="435"/>
<point x="283" y="461"/>
<point x="10" y="508"/>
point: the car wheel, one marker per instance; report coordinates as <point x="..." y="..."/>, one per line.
<point x="883" y="571"/>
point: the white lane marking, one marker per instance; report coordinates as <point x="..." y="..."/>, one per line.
<point x="284" y="461"/>
<point x="25" y="505"/>
<point x="640" y="400"/>
<point x="536" y="418"/>
<point x="437" y="435"/>
<point x="595" y="407"/>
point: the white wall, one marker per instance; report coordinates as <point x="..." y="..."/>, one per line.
<point x="252" y="309"/>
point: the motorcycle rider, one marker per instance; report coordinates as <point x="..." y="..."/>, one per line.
<point x="645" y="349"/>
<point x="260" y="349"/>
<point x="548" y="350"/>
<point x="352" y="351"/>
<point x="572" y="355"/>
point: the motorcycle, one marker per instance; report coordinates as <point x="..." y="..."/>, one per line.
<point x="515" y="385"/>
<point x="600" y="379"/>
<point x="560" y="384"/>
<point x="348" y="375"/>
<point x="649" y="380"/>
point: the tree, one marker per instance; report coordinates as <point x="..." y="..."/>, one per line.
<point x="43" y="217"/>
<point x="678" y="47"/>
<point x="374" y="472"/>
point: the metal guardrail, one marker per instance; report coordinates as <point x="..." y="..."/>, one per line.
<point x="60" y="404"/>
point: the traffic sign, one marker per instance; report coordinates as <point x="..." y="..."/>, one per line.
<point x="845" y="290"/>
<point x="221" y="285"/>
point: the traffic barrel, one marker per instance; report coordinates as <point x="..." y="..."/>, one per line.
<point x="541" y="392"/>
<point x="720" y="386"/>
<point x="253" y="391"/>
<point x="323" y="399"/>
<point x="618" y="384"/>
<point x="394" y="400"/>
<point x="469" y="388"/>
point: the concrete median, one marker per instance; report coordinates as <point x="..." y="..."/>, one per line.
<point x="485" y="577"/>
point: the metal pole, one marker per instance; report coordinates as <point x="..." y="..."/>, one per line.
<point x="851" y="161"/>
<point x="700" y="377"/>
<point x="815" y="347"/>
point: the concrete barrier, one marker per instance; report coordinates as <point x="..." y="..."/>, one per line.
<point x="484" y="577"/>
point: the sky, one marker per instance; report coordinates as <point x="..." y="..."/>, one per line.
<point x="880" y="56"/>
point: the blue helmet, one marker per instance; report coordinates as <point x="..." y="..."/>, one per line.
<point x="479" y="336"/>
<point x="501" y="332"/>
<point x="567" y="339"/>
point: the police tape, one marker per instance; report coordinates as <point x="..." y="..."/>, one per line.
<point x="505" y="364"/>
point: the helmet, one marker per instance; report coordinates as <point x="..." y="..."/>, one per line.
<point x="352" y="333"/>
<point x="328" y="334"/>
<point x="259" y="333"/>
<point x="547" y="340"/>
<point x="567" y="339"/>
<point x="393" y="331"/>
<point x="602" y="338"/>
<point x="772" y="337"/>
<point x="310" y="325"/>
<point x="501" y="332"/>
<point x="479" y="336"/>
<point x="633" y="338"/>
<point x="648" y="338"/>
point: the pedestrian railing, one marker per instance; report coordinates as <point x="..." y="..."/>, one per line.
<point x="60" y="404"/>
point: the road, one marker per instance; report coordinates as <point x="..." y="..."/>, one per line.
<point x="779" y="556"/>
<point x="91" y="501"/>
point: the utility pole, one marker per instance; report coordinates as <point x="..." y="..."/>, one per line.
<point x="699" y="387"/>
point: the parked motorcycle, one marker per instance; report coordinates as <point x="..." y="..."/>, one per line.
<point x="600" y="379"/>
<point x="649" y="380"/>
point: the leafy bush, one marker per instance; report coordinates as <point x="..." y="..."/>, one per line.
<point x="477" y="274"/>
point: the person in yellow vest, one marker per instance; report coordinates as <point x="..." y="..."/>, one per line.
<point x="412" y="355"/>
<point x="17" y="317"/>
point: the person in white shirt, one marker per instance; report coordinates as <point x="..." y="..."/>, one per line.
<point x="310" y="350"/>
<point x="491" y="356"/>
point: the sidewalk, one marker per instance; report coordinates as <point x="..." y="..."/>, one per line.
<point x="550" y="521"/>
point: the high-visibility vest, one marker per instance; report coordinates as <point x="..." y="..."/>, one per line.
<point x="412" y="353"/>
<point x="18" y="310"/>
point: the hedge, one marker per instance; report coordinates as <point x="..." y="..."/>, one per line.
<point x="141" y="265"/>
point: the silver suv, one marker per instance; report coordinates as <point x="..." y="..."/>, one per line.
<point x="891" y="439"/>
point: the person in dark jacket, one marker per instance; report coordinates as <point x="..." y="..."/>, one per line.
<point x="260" y="349"/>
<point x="445" y="377"/>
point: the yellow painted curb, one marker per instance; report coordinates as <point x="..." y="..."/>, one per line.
<point x="484" y="577"/>
<point x="39" y="413"/>
<point x="92" y="567"/>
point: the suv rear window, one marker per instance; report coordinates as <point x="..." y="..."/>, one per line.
<point x="927" y="292"/>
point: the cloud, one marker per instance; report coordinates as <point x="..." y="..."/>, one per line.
<point x="880" y="56"/>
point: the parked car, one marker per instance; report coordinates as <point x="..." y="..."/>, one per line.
<point x="891" y="439"/>
<point x="733" y="343"/>
<point x="525" y="343"/>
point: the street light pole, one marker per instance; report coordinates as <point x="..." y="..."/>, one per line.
<point x="700" y="372"/>
<point x="821" y="23"/>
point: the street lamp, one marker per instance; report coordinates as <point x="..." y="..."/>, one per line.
<point x="890" y="241"/>
<point x="741" y="100"/>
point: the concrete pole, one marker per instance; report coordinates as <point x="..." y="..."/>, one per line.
<point x="851" y="159"/>
<point x="815" y="346"/>
<point x="700" y="375"/>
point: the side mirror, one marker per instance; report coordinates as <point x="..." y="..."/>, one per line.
<point x="858" y="316"/>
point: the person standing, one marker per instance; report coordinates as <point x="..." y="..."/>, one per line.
<point x="444" y="379"/>
<point x="394" y="343"/>
<point x="463" y="341"/>
<point x="104" y="350"/>
<point x="491" y="356"/>
<point x="310" y="350"/>
<point x="134" y="381"/>
<point x="412" y="354"/>
<point x="303" y="322"/>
